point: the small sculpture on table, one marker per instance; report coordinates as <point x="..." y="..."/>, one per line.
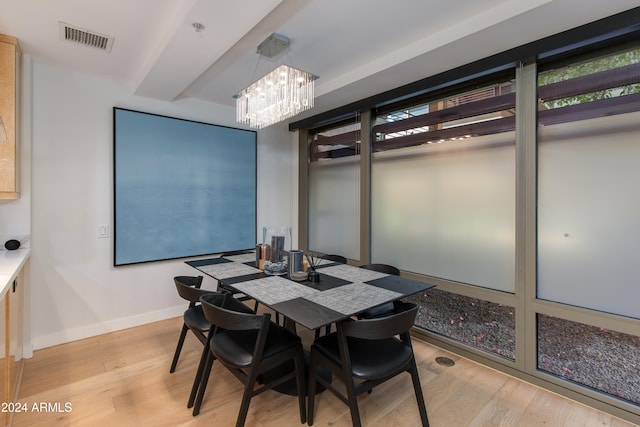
<point x="278" y="262"/>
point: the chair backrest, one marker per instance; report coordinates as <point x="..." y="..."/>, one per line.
<point x="195" y="281"/>
<point x="382" y="268"/>
<point x="225" y="319"/>
<point x="397" y="323"/>
<point x="336" y="258"/>
<point x="230" y="314"/>
<point x="190" y="289"/>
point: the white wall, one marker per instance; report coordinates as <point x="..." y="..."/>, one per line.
<point x="76" y="292"/>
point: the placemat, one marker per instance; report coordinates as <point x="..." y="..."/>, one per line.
<point x="351" y="273"/>
<point x="242" y="257"/>
<point x="353" y="298"/>
<point x="274" y="289"/>
<point x="228" y="269"/>
<point x="200" y="262"/>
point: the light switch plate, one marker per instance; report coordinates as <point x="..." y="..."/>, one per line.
<point x="103" y="231"/>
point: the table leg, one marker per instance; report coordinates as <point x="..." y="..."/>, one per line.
<point x="289" y="387"/>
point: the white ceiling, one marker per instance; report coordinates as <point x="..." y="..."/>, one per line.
<point x="357" y="47"/>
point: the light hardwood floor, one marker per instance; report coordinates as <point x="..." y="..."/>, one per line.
<point x="122" y="379"/>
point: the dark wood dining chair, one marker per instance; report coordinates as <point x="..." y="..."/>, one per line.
<point x="383" y="309"/>
<point x="336" y="258"/>
<point x="249" y="345"/>
<point x="225" y="300"/>
<point x="193" y="318"/>
<point x="382" y="268"/>
<point x="365" y="353"/>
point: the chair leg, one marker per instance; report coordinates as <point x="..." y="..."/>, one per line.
<point x="246" y="399"/>
<point x="419" y="396"/>
<point x="300" y="385"/>
<point x="203" y="383"/>
<point x="311" y="394"/>
<point x="176" y="355"/>
<point x="198" y="377"/>
<point x="352" y="399"/>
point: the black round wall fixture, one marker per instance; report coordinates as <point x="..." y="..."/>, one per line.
<point x="11" y="245"/>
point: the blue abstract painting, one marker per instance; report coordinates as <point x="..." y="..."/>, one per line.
<point x="181" y="188"/>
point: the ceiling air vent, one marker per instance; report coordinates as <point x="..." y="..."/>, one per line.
<point x="85" y="37"/>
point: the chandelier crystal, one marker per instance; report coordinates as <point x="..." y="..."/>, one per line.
<point x="283" y="93"/>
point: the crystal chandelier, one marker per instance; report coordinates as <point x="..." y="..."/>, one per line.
<point x="282" y="93"/>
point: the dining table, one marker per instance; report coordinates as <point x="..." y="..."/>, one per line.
<point x="342" y="290"/>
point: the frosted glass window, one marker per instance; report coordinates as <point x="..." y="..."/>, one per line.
<point x="588" y="174"/>
<point x="448" y="213"/>
<point x="443" y="187"/>
<point x="588" y="212"/>
<point x="334" y="191"/>
<point x="334" y="199"/>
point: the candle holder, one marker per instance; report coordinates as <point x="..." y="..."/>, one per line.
<point x="314" y="276"/>
<point x="314" y="262"/>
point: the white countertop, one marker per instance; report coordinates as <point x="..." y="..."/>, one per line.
<point x="11" y="262"/>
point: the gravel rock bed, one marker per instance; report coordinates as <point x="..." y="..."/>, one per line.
<point x="601" y="359"/>
<point x="481" y="324"/>
<point x="598" y="358"/>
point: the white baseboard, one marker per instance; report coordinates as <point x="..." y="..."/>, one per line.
<point x="48" y="340"/>
<point x="27" y="350"/>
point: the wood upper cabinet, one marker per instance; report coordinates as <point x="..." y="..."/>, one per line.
<point x="10" y="66"/>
